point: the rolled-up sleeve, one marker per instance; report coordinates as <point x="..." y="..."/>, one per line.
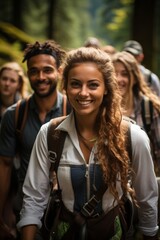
<point x="144" y="182"/>
<point x="36" y="186"/>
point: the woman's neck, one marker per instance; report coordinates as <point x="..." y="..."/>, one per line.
<point x="128" y="106"/>
<point x="86" y="127"/>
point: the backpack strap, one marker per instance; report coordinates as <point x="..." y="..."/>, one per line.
<point x="88" y="208"/>
<point x="148" y="76"/>
<point x="21" y="112"/>
<point x="147" y="113"/>
<point x="55" y="141"/>
<point x="127" y="127"/>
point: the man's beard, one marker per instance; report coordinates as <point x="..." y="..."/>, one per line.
<point x="47" y="94"/>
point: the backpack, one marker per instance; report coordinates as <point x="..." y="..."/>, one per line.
<point x="148" y="76"/>
<point x="55" y="141"/>
<point x="147" y="114"/>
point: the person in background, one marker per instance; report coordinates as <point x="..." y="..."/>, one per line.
<point x="13" y="85"/>
<point x="44" y="70"/>
<point x="134" y="90"/>
<point x="109" y="49"/>
<point x="92" y="42"/>
<point x="94" y="154"/>
<point x="136" y="50"/>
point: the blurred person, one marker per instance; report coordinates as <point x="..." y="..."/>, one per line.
<point x="92" y="42"/>
<point x="135" y="91"/>
<point x="135" y="48"/>
<point x="13" y="85"/>
<point x="109" y="49"/>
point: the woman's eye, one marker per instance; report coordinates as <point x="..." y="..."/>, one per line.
<point x="125" y="74"/>
<point x="75" y="84"/>
<point x="93" y="85"/>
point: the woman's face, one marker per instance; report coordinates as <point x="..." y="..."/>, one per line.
<point x="85" y="88"/>
<point x="9" y="82"/>
<point x="122" y="78"/>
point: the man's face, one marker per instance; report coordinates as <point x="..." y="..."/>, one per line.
<point x="43" y="74"/>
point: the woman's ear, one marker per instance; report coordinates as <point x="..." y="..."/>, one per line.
<point x="60" y="70"/>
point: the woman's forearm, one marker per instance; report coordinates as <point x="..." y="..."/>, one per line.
<point x="28" y="232"/>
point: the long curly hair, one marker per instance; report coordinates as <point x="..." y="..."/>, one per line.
<point x="111" y="144"/>
<point x="140" y="86"/>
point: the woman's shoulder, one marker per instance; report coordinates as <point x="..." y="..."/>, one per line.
<point x="54" y="123"/>
<point x="136" y="131"/>
<point x="139" y="138"/>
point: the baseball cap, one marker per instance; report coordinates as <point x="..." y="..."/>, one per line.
<point x="133" y="47"/>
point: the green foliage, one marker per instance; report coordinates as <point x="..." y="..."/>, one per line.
<point x="6" y="14"/>
<point x="71" y="23"/>
<point x="117" y="18"/>
<point x="12" y="43"/>
<point x="35" y="18"/>
<point x="11" y="33"/>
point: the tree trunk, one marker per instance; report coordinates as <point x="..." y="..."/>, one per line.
<point x="17" y="13"/>
<point x="52" y="7"/>
<point x="144" y="28"/>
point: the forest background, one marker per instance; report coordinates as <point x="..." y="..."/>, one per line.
<point x="71" y="22"/>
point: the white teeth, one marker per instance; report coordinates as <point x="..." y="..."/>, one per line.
<point x="84" y="102"/>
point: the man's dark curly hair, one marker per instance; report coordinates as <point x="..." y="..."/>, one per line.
<point x="49" y="47"/>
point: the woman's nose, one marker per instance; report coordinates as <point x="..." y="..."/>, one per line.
<point x="83" y="91"/>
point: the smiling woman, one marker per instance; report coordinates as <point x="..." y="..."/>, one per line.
<point x="137" y="97"/>
<point x="86" y="89"/>
<point x="93" y="169"/>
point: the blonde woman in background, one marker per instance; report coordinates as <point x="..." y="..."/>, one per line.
<point x="134" y="91"/>
<point x="13" y="85"/>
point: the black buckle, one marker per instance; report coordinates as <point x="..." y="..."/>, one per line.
<point x="89" y="207"/>
<point x="52" y="156"/>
